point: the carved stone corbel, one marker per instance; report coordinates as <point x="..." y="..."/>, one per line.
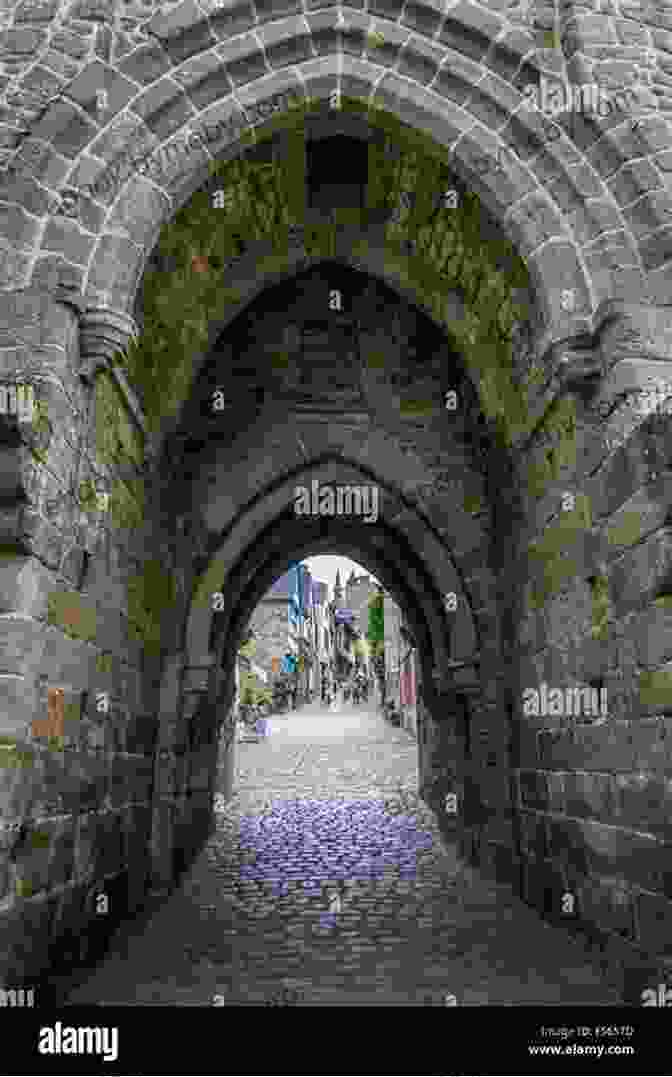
<point x="635" y="331"/>
<point x="102" y="334"/>
<point x="636" y="348"/>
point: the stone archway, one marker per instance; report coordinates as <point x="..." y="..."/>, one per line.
<point x="252" y="518"/>
<point x="85" y="198"/>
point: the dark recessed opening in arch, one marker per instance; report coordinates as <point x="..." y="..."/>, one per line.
<point x="337" y="170"/>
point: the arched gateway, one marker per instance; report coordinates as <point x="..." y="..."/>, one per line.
<point x="348" y="225"/>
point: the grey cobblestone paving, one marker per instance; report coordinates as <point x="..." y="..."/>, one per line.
<point x="326" y="881"/>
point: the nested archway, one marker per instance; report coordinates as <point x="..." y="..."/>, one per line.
<point x="432" y="537"/>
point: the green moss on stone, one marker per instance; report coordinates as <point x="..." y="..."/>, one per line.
<point x="42" y="431"/>
<point x="72" y="614"/>
<point x="127" y="503"/>
<point x="11" y="550"/>
<point x="416" y="407"/>
<point x="149" y="596"/>
<point x="553" y="572"/>
<point x="88" y="500"/>
<point x="473" y="503"/>
<point x="269" y="197"/>
<point x="104" y="663"/>
<point x="117" y="439"/>
<point x="627" y="530"/>
<point x="558" y="425"/>
<point x="72" y="710"/>
<point x="539" y="475"/>
<point x="375" y="359"/>
<point x="655" y="688"/>
<point x="566" y="528"/>
<point x="12" y="754"/>
<point x="40" y="422"/>
<point x="599" y="587"/>
<point x="549" y="554"/>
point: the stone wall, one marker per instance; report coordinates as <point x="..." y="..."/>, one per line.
<point x="593" y="790"/>
<point x="77" y="733"/>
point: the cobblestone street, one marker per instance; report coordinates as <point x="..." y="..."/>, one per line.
<point x="326" y="881"/>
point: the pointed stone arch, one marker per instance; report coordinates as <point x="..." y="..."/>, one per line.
<point x="240" y="531"/>
<point x="463" y="89"/>
<point x="259" y="542"/>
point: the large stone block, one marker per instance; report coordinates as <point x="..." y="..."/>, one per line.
<point x="44" y="856"/>
<point x="654" y="924"/>
<point x="85" y="840"/>
<point x="641" y="572"/>
<point x="227" y="22"/>
<point x="652" y="632"/>
<point x="567" y="846"/>
<point x="543" y="887"/>
<point x="634" y="857"/>
<point x="141" y="777"/>
<point x="119" y="773"/>
<point x="68" y="936"/>
<point x="145" y="64"/>
<point x="533" y="789"/>
<point x="534" y="839"/>
<point x="141" y="734"/>
<point x="606" y="747"/>
<point x="182" y="31"/>
<point x="25" y="585"/>
<point x="608" y="907"/>
<point x="644" y="802"/>
<point x="83" y="781"/>
<point x="23" y="642"/>
<point x="18" y="702"/>
<point x="590" y="795"/>
<point x="30" y="944"/>
<point x="110" y="844"/>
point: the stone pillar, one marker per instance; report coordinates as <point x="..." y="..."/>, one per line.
<point x="165" y="776"/>
<point x="163" y="821"/>
<point x="227" y="741"/>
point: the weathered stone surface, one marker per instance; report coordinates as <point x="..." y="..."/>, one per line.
<point x="146" y="63"/>
<point x="589" y="215"/>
